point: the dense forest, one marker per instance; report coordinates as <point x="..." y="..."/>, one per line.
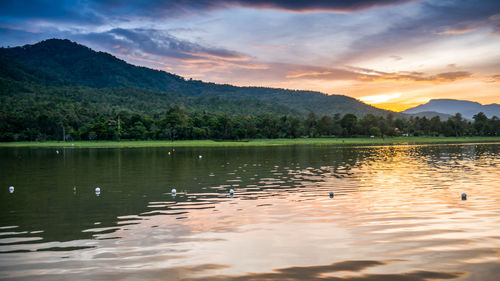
<point x="61" y="64"/>
<point x="53" y="121"/>
<point x="57" y="89"/>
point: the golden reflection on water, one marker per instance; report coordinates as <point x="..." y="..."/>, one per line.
<point x="396" y="215"/>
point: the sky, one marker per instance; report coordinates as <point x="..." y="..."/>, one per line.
<point x="393" y="54"/>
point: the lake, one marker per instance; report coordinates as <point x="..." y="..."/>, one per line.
<point x="396" y="213"/>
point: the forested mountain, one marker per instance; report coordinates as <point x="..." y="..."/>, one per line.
<point x="58" y="89"/>
<point x="57" y="62"/>
<point x="450" y="106"/>
<point x="430" y="114"/>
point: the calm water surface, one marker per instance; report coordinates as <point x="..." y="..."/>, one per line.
<point x="396" y="214"/>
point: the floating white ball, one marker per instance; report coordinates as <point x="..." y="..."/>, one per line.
<point x="231" y="191"/>
<point x="199" y="156"/>
<point x="97" y="189"/>
<point x="174" y="191"/>
<point x="11" y="189"/>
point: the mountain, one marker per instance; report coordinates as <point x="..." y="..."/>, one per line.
<point x="431" y="114"/>
<point x="62" y="63"/>
<point x="450" y="106"/>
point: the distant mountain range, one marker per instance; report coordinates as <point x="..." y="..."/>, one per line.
<point x="430" y="114"/>
<point x="450" y="106"/>
<point x="57" y="64"/>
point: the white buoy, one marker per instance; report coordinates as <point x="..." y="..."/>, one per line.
<point x="97" y="191"/>
<point x="199" y="156"/>
<point x="174" y="191"/>
<point x="231" y="191"/>
<point x="57" y="151"/>
<point x="11" y="189"/>
<point x="72" y="144"/>
<point x="331" y="194"/>
<point x="464" y="196"/>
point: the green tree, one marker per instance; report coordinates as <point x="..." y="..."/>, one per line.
<point x="325" y="125"/>
<point x="481" y="123"/>
<point x="348" y="123"/>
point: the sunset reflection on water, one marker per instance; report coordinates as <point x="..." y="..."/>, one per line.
<point x="396" y="214"/>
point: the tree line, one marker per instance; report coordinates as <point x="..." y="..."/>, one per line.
<point x="176" y="123"/>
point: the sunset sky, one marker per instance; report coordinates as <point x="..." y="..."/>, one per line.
<point x="393" y="54"/>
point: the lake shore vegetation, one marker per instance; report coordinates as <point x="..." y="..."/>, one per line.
<point x="259" y="142"/>
<point x="74" y="122"/>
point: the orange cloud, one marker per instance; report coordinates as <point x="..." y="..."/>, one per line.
<point x="308" y="74"/>
<point x="492" y="79"/>
<point x="417" y="76"/>
<point x="457" y="31"/>
<point x="365" y="74"/>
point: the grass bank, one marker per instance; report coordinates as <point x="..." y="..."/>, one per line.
<point x="258" y="142"/>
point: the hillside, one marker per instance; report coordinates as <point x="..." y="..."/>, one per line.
<point x="430" y="114"/>
<point x="450" y="106"/>
<point x="59" y="63"/>
<point x="58" y="89"/>
<point x="16" y="96"/>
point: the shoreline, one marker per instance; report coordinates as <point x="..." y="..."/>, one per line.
<point x="259" y="142"/>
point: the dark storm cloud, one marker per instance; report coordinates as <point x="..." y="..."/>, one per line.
<point x="95" y="11"/>
<point x="443" y="13"/>
<point x="318" y="5"/>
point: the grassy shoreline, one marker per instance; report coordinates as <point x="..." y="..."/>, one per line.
<point x="260" y="142"/>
